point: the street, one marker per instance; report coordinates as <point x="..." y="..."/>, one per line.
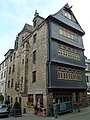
<point x="84" y="114"/>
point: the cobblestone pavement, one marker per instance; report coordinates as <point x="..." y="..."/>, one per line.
<point x="28" y="117"/>
<point x="84" y="114"/>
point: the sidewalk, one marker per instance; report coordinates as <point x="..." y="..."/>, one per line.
<point x="75" y="115"/>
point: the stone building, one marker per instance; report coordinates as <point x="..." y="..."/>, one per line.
<point x="11" y="76"/>
<point x="17" y="68"/>
<point x="50" y="63"/>
<point x="3" y="69"/>
<point x="56" y="65"/>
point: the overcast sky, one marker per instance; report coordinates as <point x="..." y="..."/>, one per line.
<point x="15" y="13"/>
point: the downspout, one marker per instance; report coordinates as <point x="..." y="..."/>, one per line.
<point x="48" y="81"/>
<point x="48" y="53"/>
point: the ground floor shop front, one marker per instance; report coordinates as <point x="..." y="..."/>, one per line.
<point x="76" y="96"/>
<point x="44" y="103"/>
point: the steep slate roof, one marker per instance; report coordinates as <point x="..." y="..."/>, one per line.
<point x="59" y="16"/>
<point x="27" y="28"/>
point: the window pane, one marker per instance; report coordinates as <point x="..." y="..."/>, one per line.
<point x="34" y="38"/>
<point x="34" y="76"/>
<point x="34" y="56"/>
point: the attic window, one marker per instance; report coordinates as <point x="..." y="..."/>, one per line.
<point x="34" y="24"/>
<point x="34" y="38"/>
<point x="68" y="15"/>
<point x="23" y="37"/>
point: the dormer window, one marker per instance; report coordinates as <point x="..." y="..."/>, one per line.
<point x="23" y="38"/>
<point x="69" y="16"/>
<point x="34" y="24"/>
<point x="35" y="18"/>
<point x="34" y="38"/>
<point x="10" y="58"/>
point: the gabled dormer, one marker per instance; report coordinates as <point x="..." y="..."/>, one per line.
<point x="37" y="19"/>
<point x="67" y="12"/>
<point x="66" y="17"/>
<point x="27" y="28"/>
<point x="25" y="32"/>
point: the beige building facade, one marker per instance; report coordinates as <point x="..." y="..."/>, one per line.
<point x="17" y="68"/>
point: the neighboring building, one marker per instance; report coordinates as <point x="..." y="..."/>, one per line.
<point x="17" y="67"/>
<point x="49" y="64"/>
<point x="87" y="73"/>
<point x="11" y="74"/>
<point x="3" y="69"/>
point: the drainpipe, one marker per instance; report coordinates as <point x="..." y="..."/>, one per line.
<point x="48" y="69"/>
<point x="49" y="62"/>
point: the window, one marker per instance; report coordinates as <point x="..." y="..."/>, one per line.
<point x="87" y="79"/>
<point x="69" y="16"/>
<point x="34" y="76"/>
<point x="14" y="55"/>
<point x="23" y="38"/>
<point x="10" y="58"/>
<point x="2" y="65"/>
<point x="88" y="66"/>
<point x="9" y="70"/>
<point x="8" y="97"/>
<point x="27" y="61"/>
<point x="4" y="74"/>
<point x="21" y="83"/>
<point x="23" y="45"/>
<point x="5" y="64"/>
<point x="39" y="100"/>
<point x="8" y="83"/>
<point x="68" y="74"/>
<point x="13" y="69"/>
<point x="20" y="101"/>
<point x="11" y="83"/>
<point x="2" y="84"/>
<point x="30" y="99"/>
<point x="22" y="61"/>
<point x="34" y="56"/>
<point x="68" y="52"/>
<point x="77" y="97"/>
<point x="67" y="33"/>
<point x="34" y="24"/>
<point x="34" y="38"/>
<point x="11" y="100"/>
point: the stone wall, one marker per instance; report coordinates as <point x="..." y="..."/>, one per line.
<point x="38" y="87"/>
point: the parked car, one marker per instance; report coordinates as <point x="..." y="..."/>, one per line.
<point x="4" y="110"/>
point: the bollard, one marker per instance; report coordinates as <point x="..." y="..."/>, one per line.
<point x="78" y="107"/>
<point x="24" y="110"/>
<point x="55" y="112"/>
<point x="44" y="111"/>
